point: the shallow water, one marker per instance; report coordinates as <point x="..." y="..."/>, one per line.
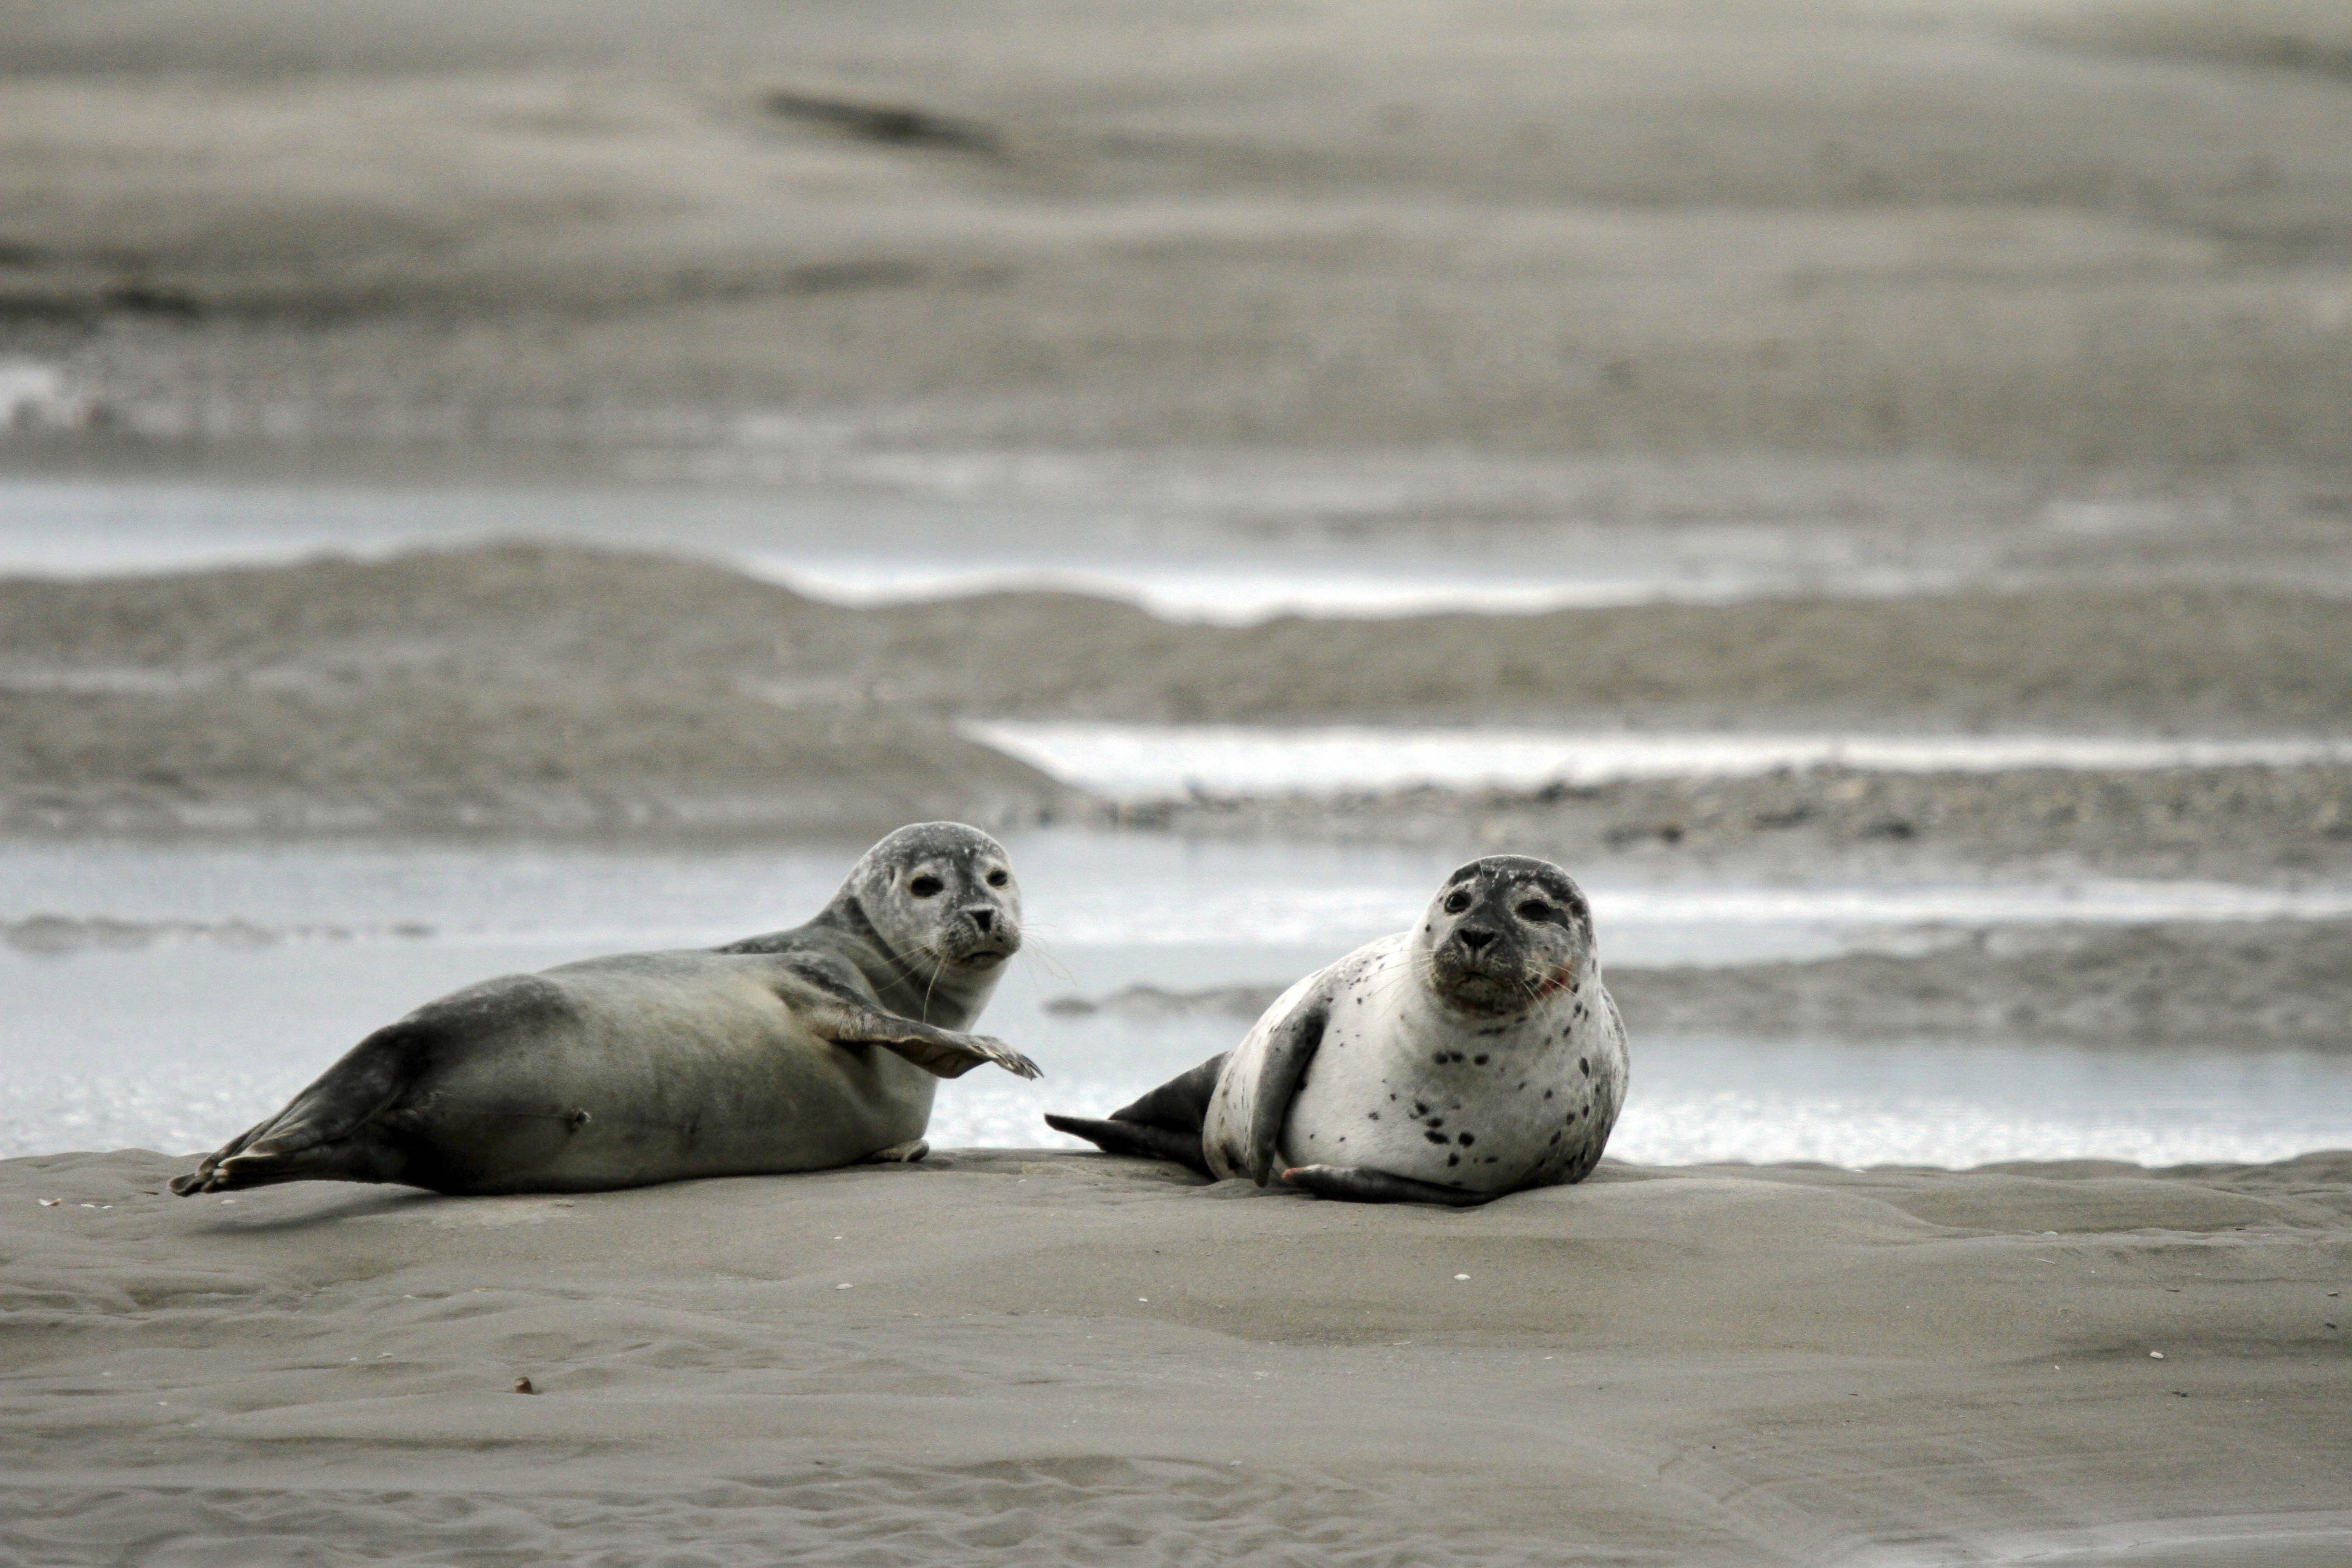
<point x="1157" y="761"/>
<point x="235" y="973"/>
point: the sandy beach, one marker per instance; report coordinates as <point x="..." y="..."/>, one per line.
<point x="1029" y="1358"/>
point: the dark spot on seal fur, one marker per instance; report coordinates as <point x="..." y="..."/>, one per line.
<point x="1434" y="1137"/>
<point x="1418" y="1108"/>
<point x="1437" y="1121"/>
<point x="1547" y="1093"/>
<point x="1478" y="1061"/>
<point x="576" y="1121"/>
<point x="1584" y="1067"/>
<point x="1555" y="1137"/>
<point x="1453" y="1159"/>
<point x="1466" y="1139"/>
<point x="1375" y="1115"/>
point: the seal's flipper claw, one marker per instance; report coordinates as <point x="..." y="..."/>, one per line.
<point x="1115" y="1137"/>
<point x="1008" y="1058"/>
<point x="1351" y="1183"/>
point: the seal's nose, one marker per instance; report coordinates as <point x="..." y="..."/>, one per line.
<point x="984" y="919"/>
<point x="1474" y="939"/>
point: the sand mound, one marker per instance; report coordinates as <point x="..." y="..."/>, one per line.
<point x="2272" y="981"/>
<point x="431" y="756"/>
<point x="1014" y="1357"/>
<point x="553" y="689"/>
<point x="2228" y="661"/>
<point x="2227" y="823"/>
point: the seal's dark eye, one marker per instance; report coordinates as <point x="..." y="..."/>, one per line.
<point x="1536" y="909"/>
<point x="925" y="887"/>
<point x="998" y="879"/>
<point x="1456" y="902"/>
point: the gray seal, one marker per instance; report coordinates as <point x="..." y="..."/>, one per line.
<point x="803" y="1050"/>
<point x="1477" y="1055"/>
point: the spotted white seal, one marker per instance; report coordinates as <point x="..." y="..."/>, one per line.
<point x="1475" y="1054"/>
<point x="809" y="1048"/>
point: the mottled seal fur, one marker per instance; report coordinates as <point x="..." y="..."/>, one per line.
<point x="1475" y="1055"/>
<point x="811" y="1048"/>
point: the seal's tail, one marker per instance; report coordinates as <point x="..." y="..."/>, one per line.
<point x="1163" y="1125"/>
<point x="1115" y="1137"/>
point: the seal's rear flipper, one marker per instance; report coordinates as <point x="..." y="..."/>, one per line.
<point x="1355" y="1184"/>
<point x="1135" y="1138"/>
<point x="323" y="1135"/>
<point x="364" y="1158"/>
<point x="1182" y="1104"/>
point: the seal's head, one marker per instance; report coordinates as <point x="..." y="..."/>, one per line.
<point x="941" y="893"/>
<point x="1504" y="934"/>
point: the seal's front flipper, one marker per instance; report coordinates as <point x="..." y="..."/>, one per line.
<point x="940" y="1051"/>
<point x="323" y="1135"/>
<point x="1356" y="1186"/>
<point x="1136" y="1137"/>
<point x="906" y="1153"/>
<point x="1289" y="1052"/>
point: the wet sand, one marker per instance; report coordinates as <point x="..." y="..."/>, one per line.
<point x="1029" y="1358"/>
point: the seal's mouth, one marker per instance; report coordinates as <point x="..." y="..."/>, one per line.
<point x="1481" y="988"/>
<point x="984" y="956"/>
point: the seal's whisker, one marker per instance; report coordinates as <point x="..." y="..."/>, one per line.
<point x="1054" y="967"/>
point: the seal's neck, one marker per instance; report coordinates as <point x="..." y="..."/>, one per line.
<point x="911" y="983"/>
